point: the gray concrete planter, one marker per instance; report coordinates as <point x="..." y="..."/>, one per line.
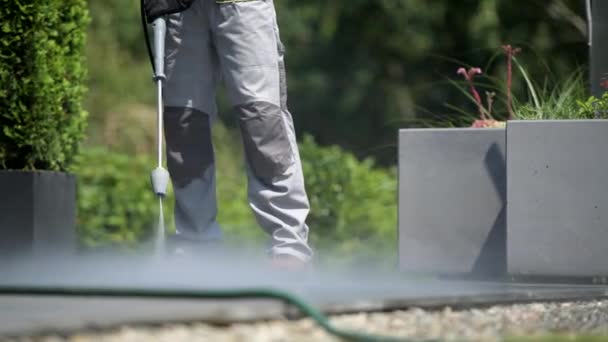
<point x="37" y="213"/>
<point x="557" y="212"/>
<point x="452" y="201"/>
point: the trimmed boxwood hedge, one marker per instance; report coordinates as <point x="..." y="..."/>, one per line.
<point x="42" y="82"/>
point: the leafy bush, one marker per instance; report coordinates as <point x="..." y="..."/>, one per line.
<point x="353" y="204"/>
<point x="42" y="72"/>
<point x="594" y="107"/>
<point x="116" y="205"/>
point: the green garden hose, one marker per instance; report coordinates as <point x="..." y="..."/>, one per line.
<point x="248" y="293"/>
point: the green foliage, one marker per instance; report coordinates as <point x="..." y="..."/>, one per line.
<point x="551" y="98"/>
<point x="353" y="203"/>
<point x="558" y="102"/>
<point x="593" y="107"/>
<point x="42" y="73"/>
<point x="353" y="208"/>
<point x="120" y="74"/>
<point x="116" y="205"/>
<point x="358" y="70"/>
<point x="375" y="66"/>
<point x="565" y="99"/>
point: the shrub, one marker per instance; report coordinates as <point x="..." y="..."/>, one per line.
<point x="42" y="73"/>
<point x="353" y="214"/>
<point x="593" y="107"/>
<point x="353" y="204"/>
<point x="116" y="205"/>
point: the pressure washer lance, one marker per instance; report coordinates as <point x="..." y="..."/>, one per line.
<point x="160" y="176"/>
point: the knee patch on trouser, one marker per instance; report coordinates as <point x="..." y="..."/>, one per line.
<point x="265" y="139"/>
<point x="189" y="147"/>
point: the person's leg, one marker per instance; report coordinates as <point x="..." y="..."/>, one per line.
<point x="246" y="37"/>
<point x="190" y="109"/>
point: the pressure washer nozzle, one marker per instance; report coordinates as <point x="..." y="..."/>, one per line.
<point x="160" y="181"/>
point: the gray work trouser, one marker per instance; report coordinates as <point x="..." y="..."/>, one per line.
<point x="238" y="43"/>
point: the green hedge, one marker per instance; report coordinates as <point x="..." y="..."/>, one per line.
<point x="116" y="205"/>
<point x="353" y="204"/>
<point x="42" y="73"/>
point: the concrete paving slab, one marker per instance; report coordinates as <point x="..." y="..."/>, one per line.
<point x="28" y="306"/>
<point x="23" y="315"/>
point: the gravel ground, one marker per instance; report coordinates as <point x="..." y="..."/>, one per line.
<point x="488" y="324"/>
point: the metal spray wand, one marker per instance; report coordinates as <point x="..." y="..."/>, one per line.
<point x="160" y="176"/>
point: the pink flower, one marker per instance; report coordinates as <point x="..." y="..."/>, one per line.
<point x="468" y="76"/>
